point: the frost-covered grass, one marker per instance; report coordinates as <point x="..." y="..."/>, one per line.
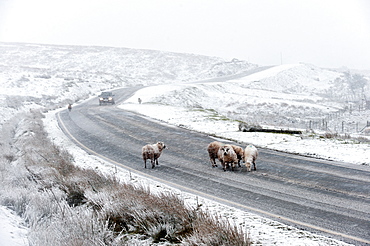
<point x="64" y="204"/>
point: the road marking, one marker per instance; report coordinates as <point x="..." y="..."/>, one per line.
<point x="215" y="198"/>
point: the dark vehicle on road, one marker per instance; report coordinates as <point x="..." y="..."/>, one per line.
<point x="106" y="97"/>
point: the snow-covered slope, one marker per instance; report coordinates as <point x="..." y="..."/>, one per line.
<point x="293" y="95"/>
<point x="33" y="75"/>
<point x="115" y="66"/>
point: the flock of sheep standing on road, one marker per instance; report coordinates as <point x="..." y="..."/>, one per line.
<point x="229" y="155"/>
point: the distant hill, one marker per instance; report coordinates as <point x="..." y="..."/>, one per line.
<point x="40" y="75"/>
<point x="358" y="71"/>
<point x="117" y="66"/>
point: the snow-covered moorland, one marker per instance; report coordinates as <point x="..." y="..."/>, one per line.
<point x="289" y="96"/>
<point x="51" y="76"/>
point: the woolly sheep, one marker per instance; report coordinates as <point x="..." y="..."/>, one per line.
<point x="152" y="152"/>
<point x="227" y="156"/>
<point x="239" y="151"/>
<point x="212" y="152"/>
<point x="250" y="157"/>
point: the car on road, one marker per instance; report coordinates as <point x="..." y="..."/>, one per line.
<point x="106" y="97"/>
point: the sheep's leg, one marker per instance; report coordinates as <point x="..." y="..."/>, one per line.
<point x="254" y="166"/>
<point x="224" y="165"/>
<point x="234" y="165"/>
<point x="153" y="163"/>
<point x="213" y="162"/>
<point x="144" y="163"/>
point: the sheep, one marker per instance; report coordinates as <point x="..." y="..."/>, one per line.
<point x="152" y="152"/>
<point x="239" y="151"/>
<point x="212" y="152"/>
<point x="227" y="156"/>
<point x="250" y="157"/>
<point x="148" y="153"/>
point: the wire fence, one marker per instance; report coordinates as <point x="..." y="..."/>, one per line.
<point x="337" y="126"/>
<point x="338" y="122"/>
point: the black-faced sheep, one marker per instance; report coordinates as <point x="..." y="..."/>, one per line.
<point x="212" y="152"/>
<point x="227" y="156"/>
<point x="239" y="151"/>
<point x="152" y="152"/>
<point x="250" y="157"/>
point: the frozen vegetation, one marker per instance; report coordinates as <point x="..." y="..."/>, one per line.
<point x="43" y="177"/>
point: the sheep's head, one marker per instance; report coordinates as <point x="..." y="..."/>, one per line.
<point x="226" y="149"/>
<point x="248" y="165"/>
<point x="161" y="145"/>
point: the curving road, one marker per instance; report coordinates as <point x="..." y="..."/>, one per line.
<point x="329" y="198"/>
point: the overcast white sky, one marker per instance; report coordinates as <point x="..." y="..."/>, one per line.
<point x="326" y="33"/>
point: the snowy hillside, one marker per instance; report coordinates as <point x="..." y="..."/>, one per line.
<point x="115" y="66"/>
<point x="293" y="95"/>
<point x="52" y="76"/>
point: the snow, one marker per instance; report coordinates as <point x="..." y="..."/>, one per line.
<point x="12" y="232"/>
<point x="192" y="106"/>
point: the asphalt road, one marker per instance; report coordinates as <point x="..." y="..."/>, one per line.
<point x="329" y="198"/>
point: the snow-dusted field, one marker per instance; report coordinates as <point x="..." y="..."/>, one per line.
<point x="287" y="96"/>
